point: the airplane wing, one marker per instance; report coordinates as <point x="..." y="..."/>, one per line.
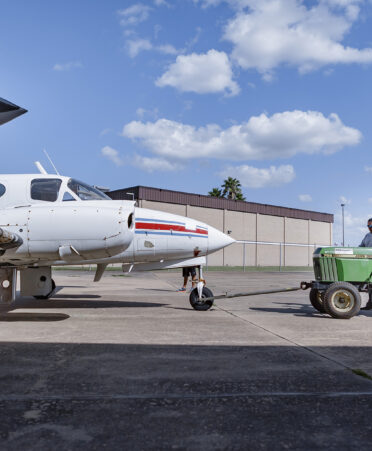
<point x="9" y="111"/>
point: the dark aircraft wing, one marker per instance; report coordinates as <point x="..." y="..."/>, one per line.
<point x="9" y="111"/>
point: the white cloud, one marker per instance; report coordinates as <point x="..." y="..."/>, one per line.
<point x="142" y="112"/>
<point x="344" y="200"/>
<point x="370" y="200"/>
<point x="150" y="164"/>
<point x="135" y="46"/>
<point x="112" y="155"/>
<point x="60" y="67"/>
<point x="282" y="135"/>
<point x="355" y="227"/>
<point x="195" y="39"/>
<point x="201" y="73"/>
<point x="275" y="32"/>
<point x="134" y="14"/>
<point x="251" y="177"/>
<point x="305" y="197"/>
<point x="168" y="49"/>
<point x="368" y="169"/>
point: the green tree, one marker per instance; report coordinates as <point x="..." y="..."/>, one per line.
<point x="216" y="192"/>
<point x="232" y="189"/>
<point x="239" y="196"/>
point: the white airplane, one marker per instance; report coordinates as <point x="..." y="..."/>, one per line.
<point x="51" y="220"/>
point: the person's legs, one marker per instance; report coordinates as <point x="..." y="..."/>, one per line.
<point x="368" y="306"/>
<point x="185" y="274"/>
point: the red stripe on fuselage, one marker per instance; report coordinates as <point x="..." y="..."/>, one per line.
<point x="176" y="228"/>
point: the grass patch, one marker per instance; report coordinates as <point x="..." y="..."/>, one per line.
<point x="92" y="268"/>
<point x="361" y="373"/>
<point x="259" y="268"/>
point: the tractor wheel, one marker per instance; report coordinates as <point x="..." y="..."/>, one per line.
<point x="47" y="296"/>
<point x="201" y="305"/>
<point x="342" y="300"/>
<point x="317" y="299"/>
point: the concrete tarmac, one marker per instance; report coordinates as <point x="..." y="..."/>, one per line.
<point x="128" y="364"/>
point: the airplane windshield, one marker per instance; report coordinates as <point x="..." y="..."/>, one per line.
<point x="86" y="192"/>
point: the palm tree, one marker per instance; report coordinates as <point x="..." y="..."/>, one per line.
<point x="239" y="196"/>
<point x="216" y="192"/>
<point x="232" y="189"/>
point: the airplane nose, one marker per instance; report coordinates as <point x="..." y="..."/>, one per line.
<point x="218" y="240"/>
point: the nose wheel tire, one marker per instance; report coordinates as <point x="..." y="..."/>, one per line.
<point x="317" y="299"/>
<point x="342" y="300"/>
<point x="200" y="304"/>
<point x="47" y="296"/>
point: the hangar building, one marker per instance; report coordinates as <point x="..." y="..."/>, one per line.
<point x="270" y="235"/>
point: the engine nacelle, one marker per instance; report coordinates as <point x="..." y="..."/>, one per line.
<point x="70" y="232"/>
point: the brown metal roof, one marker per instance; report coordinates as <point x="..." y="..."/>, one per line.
<point x="200" y="200"/>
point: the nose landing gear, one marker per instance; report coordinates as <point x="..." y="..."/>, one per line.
<point x="201" y="292"/>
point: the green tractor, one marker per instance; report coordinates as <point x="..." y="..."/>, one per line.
<point x="341" y="275"/>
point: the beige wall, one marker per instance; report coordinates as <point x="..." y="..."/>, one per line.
<point x="296" y="256"/>
<point x="320" y="233"/>
<point x="208" y="215"/>
<point x="233" y="255"/>
<point x="215" y="259"/>
<point x="296" y="231"/>
<point x="252" y="227"/>
<point x="268" y="255"/>
<point x="242" y="225"/>
<point x="270" y="228"/>
<point x="169" y="208"/>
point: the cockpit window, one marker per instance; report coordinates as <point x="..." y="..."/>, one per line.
<point x="2" y="189"/>
<point x="86" y="192"/>
<point x="45" y="189"/>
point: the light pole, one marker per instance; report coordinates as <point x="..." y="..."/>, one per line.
<point x="343" y="225"/>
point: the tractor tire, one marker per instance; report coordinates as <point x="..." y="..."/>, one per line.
<point x="342" y="300"/>
<point x="201" y="305"/>
<point x="317" y="299"/>
<point x="47" y="296"/>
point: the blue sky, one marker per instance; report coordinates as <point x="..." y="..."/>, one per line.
<point x="179" y="94"/>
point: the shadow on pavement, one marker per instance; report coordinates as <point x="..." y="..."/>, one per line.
<point x="82" y="304"/>
<point x="158" y="289"/>
<point x="94" y="396"/>
<point x="38" y="317"/>
<point x="304" y="311"/>
<point x="76" y="296"/>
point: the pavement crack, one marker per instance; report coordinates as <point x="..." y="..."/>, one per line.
<point x="288" y="340"/>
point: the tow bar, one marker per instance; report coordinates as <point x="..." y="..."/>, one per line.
<point x="201" y="298"/>
<point x="250" y="293"/>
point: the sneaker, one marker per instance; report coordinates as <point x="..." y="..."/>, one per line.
<point x="368" y="306"/>
<point x="182" y="289"/>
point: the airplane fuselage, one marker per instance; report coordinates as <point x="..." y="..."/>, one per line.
<point x="61" y="222"/>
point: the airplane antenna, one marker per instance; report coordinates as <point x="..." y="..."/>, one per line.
<point x="51" y="162"/>
<point x="40" y="167"/>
